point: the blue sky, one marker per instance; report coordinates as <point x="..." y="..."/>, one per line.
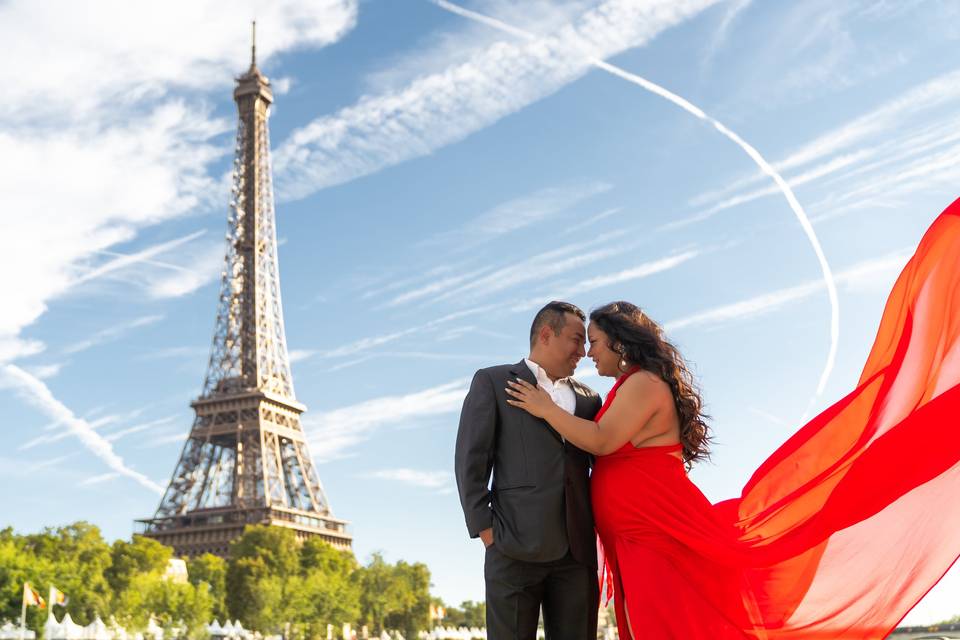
<point x="437" y="181"/>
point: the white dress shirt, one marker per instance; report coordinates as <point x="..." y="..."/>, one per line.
<point x="561" y="391"/>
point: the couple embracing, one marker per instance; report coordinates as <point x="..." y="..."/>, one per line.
<point x="838" y="534"/>
<point x="535" y="429"/>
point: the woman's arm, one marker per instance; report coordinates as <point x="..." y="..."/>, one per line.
<point x="628" y="418"/>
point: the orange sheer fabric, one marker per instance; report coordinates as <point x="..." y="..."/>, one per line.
<point x="843" y="529"/>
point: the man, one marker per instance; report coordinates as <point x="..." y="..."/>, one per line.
<point x="535" y="521"/>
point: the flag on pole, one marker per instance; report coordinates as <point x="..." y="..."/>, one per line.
<point x="31" y="598"/>
<point x="57" y="597"/>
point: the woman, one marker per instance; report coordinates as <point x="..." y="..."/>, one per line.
<point x="837" y="535"/>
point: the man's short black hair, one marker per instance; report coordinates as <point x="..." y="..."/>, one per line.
<point x="553" y="315"/>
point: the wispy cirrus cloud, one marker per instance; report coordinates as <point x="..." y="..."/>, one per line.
<point x="445" y="106"/>
<point x="370" y="342"/>
<point x="45" y="371"/>
<point x="121" y="261"/>
<point x="722" y="32"/>
<point x="637" y="272"/>
<point x="442" y="481"/>
<point x="37" y="394"/>
<point x="855" y="137"/>
<point x="521" y="212"/>
<point x="198" y="267"/>
<point x="476" y="283"/>
<point x="137" y="428"/>
<point x="111" y="333"/>
<point x="332" y="434"/>
<point x="99" y="479"/>
<point x="127" y="149"/>
<point x="93" y="422"/>
<point x="868" y="274"/>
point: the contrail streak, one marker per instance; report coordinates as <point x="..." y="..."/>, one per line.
<point x="689" y="107"/>
<point x="37" y="393"/>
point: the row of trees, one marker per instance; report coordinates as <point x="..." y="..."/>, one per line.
<point x="270" y="582"/>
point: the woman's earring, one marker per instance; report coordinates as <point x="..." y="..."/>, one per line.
<point x="622" y="364"/>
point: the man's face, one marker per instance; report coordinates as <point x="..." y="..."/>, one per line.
<point x="565" y="350"/>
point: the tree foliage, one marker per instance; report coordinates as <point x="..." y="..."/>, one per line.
<point x="271" y="582"/>
<point x="212" y="570"/>
<point x="468" y="614"/>
<point x="395" y="596"/>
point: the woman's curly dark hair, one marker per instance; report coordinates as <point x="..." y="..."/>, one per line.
<point x="640" y="342"/>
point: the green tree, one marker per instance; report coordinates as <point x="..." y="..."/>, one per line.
<point x="396" y="597"/>
<point x="78" y="558"/>
<point x="18" y="565"/>
<point x="263" y="563"/>
<point x="212" y="570"/>
<point x="326" y="592"/>
<point x="468" y="614"/>
<point x="411" y="607"/>
<point x="375" y="581"/>
<point x="140" y="555"/>
<point x="171" y="603"/>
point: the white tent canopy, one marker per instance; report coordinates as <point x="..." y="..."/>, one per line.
<point x="10" y="631"/>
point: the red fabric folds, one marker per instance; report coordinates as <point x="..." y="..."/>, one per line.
<point x="843" y="529"/>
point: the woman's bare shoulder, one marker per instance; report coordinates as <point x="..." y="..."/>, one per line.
<point x="645" y="384"/>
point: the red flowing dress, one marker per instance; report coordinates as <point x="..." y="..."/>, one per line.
<point x="842" y="530"/>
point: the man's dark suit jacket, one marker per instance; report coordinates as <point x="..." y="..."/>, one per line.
<point x="539" y="504"/>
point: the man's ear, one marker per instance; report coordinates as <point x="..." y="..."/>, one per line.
<point x="544" y="336"/>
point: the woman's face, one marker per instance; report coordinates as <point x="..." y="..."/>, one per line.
<point x="606" y="359"/>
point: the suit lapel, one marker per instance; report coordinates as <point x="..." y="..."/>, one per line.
<point x="582" y="409"/>
<point x="522" y="371"/>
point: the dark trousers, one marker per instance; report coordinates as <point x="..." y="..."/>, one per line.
<point x="568" y="591"/>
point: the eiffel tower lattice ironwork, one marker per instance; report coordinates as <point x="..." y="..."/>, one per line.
<point x="246" y="460"/>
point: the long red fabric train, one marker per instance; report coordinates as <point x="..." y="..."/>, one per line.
<point x="843" y="529"/>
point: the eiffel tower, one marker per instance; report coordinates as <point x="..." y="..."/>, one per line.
<point x="246" y="459"/>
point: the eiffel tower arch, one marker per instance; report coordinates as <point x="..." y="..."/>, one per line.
<point x="246" y="459"/>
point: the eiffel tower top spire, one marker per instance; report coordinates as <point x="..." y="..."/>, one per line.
<point x="253" y="82"/>
<point x="253" y="46"/>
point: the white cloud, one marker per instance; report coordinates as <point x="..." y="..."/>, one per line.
<point x="203" y="266"/>
<point x="93" y="423"/>
<point x="297" y="355"/>
<point x="168" y="438"/>
<point x="917" y="102"/>
<point x="461" y="41"/>
<point x="137" y="428"/>
<point x="445" y="106"/>
<point x="122" y="261"/>
<point x="88" y="156"/>
<point x="99" y="479"/>
<point x="45" y="371"/>
<point x="175" y="352"/>
<point x="370" y="342"/>
<point x="333" y="433"/>
<point x="36" y="393"/>
<point x="719" y="39"/>
<point x="540" y="267"/>
<point x="525" y="211"/>
<point x="475" y="283"/>
<point x="745" y="309"/>
<point x="136" y="174"/>
<point x="147" y="49"/>
<point x="592" y="220"/>
<point x="826" y="169"/>
<point x="876" y="273"/>
<point x="643" y="270"/>
<point x="442" y="480"/>
<point x="111" y="333"/>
